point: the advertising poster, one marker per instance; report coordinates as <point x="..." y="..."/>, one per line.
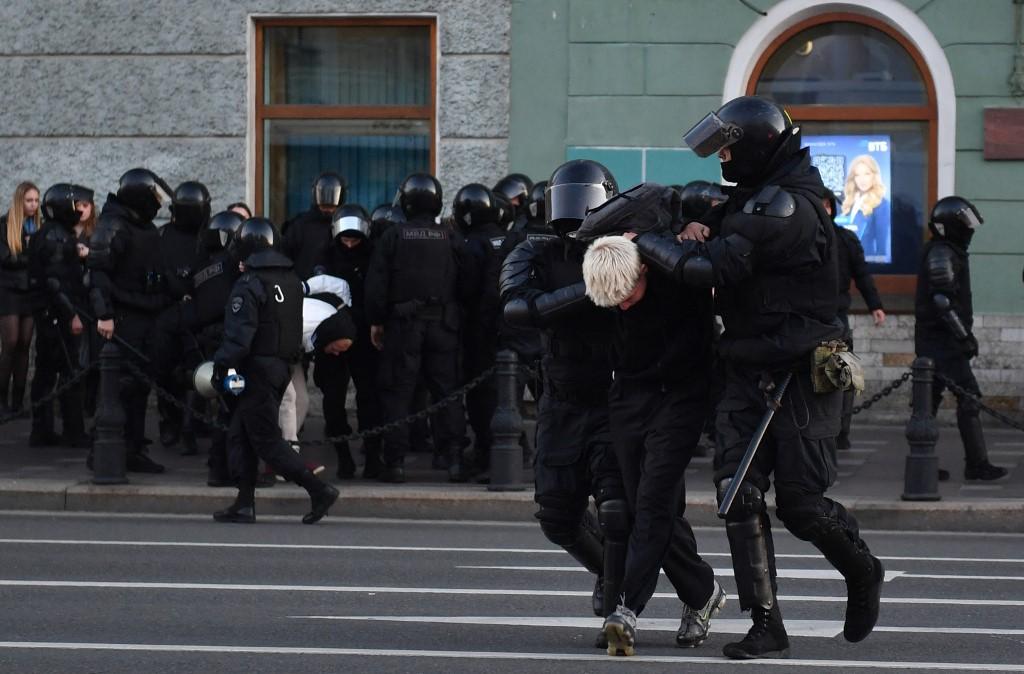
<point x="857" y="169"/>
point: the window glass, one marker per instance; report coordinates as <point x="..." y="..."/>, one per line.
<point x="373" y="156"/>
<point x="842" y="63"/>
<point x="347" y="65"/>
<point x="893" y="196"/>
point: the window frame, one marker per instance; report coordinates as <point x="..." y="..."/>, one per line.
<point x="263" y="111"/>
<point x="888" y="284"/>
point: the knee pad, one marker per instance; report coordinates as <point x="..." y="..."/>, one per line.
<point x="749" y="500"/>
<point x="614" y="518"/>
<point x="806" y="516"/>
<point x="560" y="526"/>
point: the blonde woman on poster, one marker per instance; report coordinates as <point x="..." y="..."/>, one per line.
<point x="865" y="208"/>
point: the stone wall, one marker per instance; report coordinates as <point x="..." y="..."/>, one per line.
<point x="100" y="86"/>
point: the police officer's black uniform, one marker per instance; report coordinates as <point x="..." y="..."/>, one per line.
<point x="56" y="277"/>
<point x="773" y="263"/>
<point x="945" y="319"/>
<point x="474" y="212"/>
<point x="262" y="336"/>
<point x="415" y="274"/>
<point x="128" y="286"/>
<point x="307" y="236"/>
<point x="360" y="363"/>
<point x="542" y="287"/>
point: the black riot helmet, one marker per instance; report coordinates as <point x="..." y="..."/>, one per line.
<point x="536" y="207"/>
<point x="474" y="205"/>
<point x="59" y="204"/>
<point x="144" y="192"/>
<point x="758" y="133"/>
<point x="954" y="219"/>
<point x="191" y="206"/>
<point x="574" y="188"/>
<point x="698" y="196"/>
<point x="420" y="196"/>
<point x="253" y="236"/>
<point x="504" y="212"/>
<point x="220" y="230"/>
<point x="329" y="190"/>
<point x="350" y="220"/>
<point x="514" y="186"/>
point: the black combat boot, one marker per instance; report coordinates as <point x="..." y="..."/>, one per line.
<point x="976" y="464"/>
<point x="456" y="465"/>
<point x="393" y="471"/>
<point x="346" y="466"/>
<point x="236" y="513"/>
<point x="864" y="574"/>
<point x="767" y="638"/>
<point x="321" y="496"/>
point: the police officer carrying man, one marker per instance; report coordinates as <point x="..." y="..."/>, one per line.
<point x="348" y="258"/>
<point x="416" y="272"/>
<point x="262" y="335"/>
<point x="474" y="212"/>
<point x="945" y="319"/>
<point x="772" y="261"/>
<point x="179" y="250"/>
<point x="851" y="265"/>
<point x="55" y="275"/>
<point x="307" y="236"/>
<point x="128" y="290"/>
<point x="542" y="287"/>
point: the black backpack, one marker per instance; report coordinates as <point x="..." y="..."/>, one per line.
<point x="648" y="207"/>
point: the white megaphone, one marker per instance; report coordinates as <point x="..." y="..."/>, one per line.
<point x="202" y="381"/>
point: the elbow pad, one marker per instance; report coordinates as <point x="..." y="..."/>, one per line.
<point x="661" y="253"/>
<point x="517" y="313"/>
<point x="949" y="316"/>
<point x="558" y="301"/>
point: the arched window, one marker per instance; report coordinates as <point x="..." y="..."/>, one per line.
<point x="866" y="104"/>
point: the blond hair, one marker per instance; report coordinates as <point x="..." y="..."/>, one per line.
<point x="611" y="269"/>
<point x="873" y="197"/>
<point x="16" y="216"/>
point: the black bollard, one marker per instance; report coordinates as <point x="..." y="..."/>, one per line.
<point x="506" y="426"/>
<point x="108" y="449"/>
<point x="921" y="476"/>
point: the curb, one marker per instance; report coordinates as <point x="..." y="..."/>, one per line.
<point x="441" y="502"/>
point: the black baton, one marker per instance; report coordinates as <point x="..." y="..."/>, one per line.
<point x="774" y="403"/>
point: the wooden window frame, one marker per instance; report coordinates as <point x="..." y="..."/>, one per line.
<point x="265" y="111"/>
<point x="888" y="284"/>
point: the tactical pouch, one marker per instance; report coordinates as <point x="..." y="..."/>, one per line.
<point x="835" y="368"/>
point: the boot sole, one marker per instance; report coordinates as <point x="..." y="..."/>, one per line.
<point x="618" y="642"/>
<point x="736" y="654"/>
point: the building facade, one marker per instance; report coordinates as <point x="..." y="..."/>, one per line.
<point x="256" y="97"/>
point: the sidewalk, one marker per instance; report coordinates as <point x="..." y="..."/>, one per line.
<point x="870" y="483"/>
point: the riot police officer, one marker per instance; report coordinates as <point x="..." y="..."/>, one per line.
<point x="262" y="336"/>
<point x="943" y="330"/>
<point x="348" y="258"/>
<point x="382" y="218"/>
<point x="190" y="211"/>
<point x="416" y="272"/>
<point x="55" y="276"/>
<point x="515" y="188"/>
<point x="542" y="287"/>
<point x="128" y="289"/>
<point x="307" y="236"/>
<point x="772" y="260"/>
<point x="474" y="213"/>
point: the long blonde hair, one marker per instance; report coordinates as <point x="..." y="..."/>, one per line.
<point x="873" y="197"/>
<point x="16" y="216"/>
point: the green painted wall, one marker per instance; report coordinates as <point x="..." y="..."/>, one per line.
<point x="621" y="80"/>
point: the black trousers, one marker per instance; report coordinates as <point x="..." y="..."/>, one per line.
<point x="332" y="375"/>
<point x="655" y="431"/>
<point x="137" y="328"/>
<point x="253" y="432"/>
<point x="414" y="347"/>
<point x="479" y="354"/>
<point x="56" y="362"/>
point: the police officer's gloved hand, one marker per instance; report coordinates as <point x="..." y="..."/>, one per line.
<point x="969" y="346"/>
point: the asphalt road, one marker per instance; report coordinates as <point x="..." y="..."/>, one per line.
<point x="161" y="594"/>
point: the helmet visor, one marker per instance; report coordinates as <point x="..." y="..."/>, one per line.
<point x="350" y="224"/>
<point x="327" y="193"/>
<point x="162" y="193"/>
<point x="571" y="201"/>
<point x="970" y="218"/>
<point x="711" y="135"/>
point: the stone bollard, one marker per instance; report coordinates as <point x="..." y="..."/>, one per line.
<point x="108" y="448"/>
<point x="506" y="426"/>
<point x="921" y="476"/>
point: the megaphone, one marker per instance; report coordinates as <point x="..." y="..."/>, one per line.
<point x="202" y="381"/>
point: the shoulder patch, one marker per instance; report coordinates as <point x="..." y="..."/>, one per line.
<point x="206" y="274"/>
<point x="497" y="241"/>
<point x="236" y="304"/>
<point x="772" y="201"/>
<point x="538" y="238"/>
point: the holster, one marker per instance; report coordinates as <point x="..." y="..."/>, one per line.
<point x="835" y="368"/>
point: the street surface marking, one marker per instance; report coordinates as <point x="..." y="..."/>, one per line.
<point x="801" y="628"/>
<point x="488" y="655"/>
<point x="802" y="574"/>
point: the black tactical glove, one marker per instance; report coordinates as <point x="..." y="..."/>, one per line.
<point x="969" y="346"/>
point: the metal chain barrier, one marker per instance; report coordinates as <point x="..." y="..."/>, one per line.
<point x="53" y="395"/>
<point x="961" y="391"/>
<point x="885" y="392"/>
